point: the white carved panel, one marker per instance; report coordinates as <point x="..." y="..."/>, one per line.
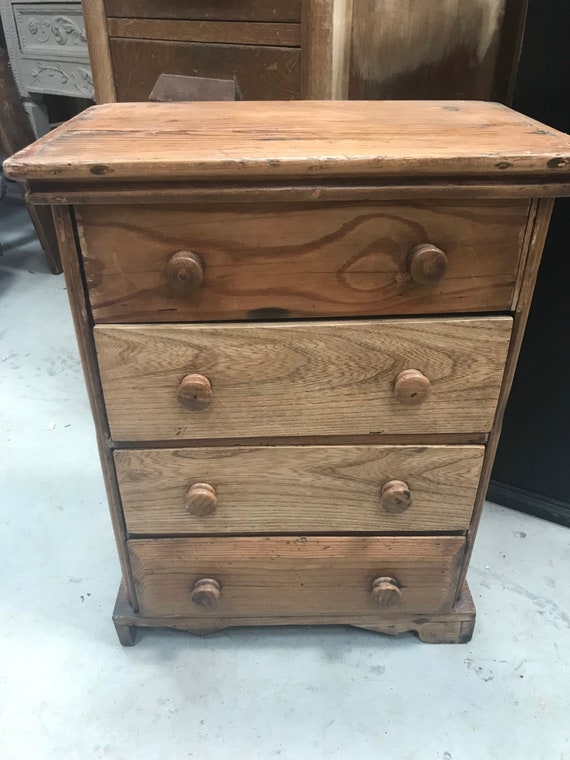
<point x="56" y="32"/>
<point x="58" y="78"/>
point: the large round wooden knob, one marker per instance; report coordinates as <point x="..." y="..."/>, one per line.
<point x="201" y="499"/>
<point x="396" y="496"/>
<point x="427" y="264"/>
<point x="194" y="392"/>
<point x="411" y="387"/>
<point x="206" y="593"/>
<point x="184" y="272"/>
<point x="386" y="591"/>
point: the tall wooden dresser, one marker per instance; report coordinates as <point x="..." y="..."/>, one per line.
<point x="299" y="324"/>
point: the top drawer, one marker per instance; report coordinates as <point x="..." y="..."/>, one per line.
<point x="224" y="10"/>
<point x="271" y="260"/>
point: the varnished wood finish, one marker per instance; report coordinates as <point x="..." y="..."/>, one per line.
<point x="261" y="72"/>
<point x="309" y="489"/>
<point x="386" y="592"/>
<point x="453" y="627"/>
<point x="83" y="333"/>
<point x="225" y="10"/>
<point x="390" y="141"/>
<point x="294" y="260"/>
<point x="314" y="378"/>
<point x="296" y="575"/>
<point x="280" y="35"/>
<point x="184" y="272"/>
<point x="99" y="51"/>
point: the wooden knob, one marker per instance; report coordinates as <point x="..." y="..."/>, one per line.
<point x="185" y="272"/>
<point x="427" y="264"/>
<point x="386" y="591"/>
<point x="194" y="392"/>
<point x="396" y="496"/>
<point x="411" y="387"/>
<point x="206" y="592"/>
<point x="201" y="499"/>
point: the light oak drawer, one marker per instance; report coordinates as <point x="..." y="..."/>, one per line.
<point x="291" y="576"/>
<point x="298" y="489"/>
<point x="268" y="260"/>
<point x="183" y="382"/>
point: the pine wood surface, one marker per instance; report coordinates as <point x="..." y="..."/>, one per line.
<point x="452" y="627"/>
<point x="294" y="575"/>
<point x="291" y="489"/>
<point x="295" y="260"/>
<point x="331" y="378"/>
<point x="389" y="140"/>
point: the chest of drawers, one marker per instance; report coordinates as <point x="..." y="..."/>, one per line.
<point x="299" y="323"/>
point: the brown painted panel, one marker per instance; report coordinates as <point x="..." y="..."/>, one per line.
<point x="262" y="73"/>
<point x="224" y="10"/>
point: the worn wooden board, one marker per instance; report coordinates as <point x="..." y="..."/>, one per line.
<point x="261" y="72"/>
<point x="330" y="378"/>
<point x="326" y="259"/>
<point x="391" y="141"/>
<point x="294" y="575"/>
<point x="220" y="32"/>
<point x="292" y="489"/>
<point x="228" y="10"/>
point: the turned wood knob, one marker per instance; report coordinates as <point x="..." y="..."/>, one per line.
<point x="396" y="496"/>
<point x="194" y="392"/>
<point x="201" y="499"/>
<point x="184" y="272"/>
<point x="206" y="592"/>
<point x="386" y="591"/>
<point x="427" y="264"/>
<point x="411" y="387"/>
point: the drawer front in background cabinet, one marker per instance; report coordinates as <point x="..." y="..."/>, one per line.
<point x="295" y="575"/>
<point x="265" y="260"/>
<point x="262" y="73"/>
<point x="224" y="10"/>
<point x="292" y="489"/>
<point x="176" y="382"/>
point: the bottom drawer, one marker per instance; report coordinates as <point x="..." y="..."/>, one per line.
<point x="295" y="576"/>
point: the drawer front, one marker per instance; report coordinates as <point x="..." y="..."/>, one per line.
<point x="294" y="575"/>
<point x="224" y="10"/>
<point x="51" y="31"/>
<point x="177" y="382"/>
<point x="291" y="489"/>
<point x="262" y="73"/>
<point x="294" y="260"/>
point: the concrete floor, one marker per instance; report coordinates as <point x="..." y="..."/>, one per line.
<point x="69" y="691"/>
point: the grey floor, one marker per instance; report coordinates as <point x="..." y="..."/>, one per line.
<point x="68" y="690"/>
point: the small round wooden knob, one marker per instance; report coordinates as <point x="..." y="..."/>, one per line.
<point x="184" y="272"/>
<point x="206" y="592"/>
<point x="427" y="264"/>
<point x="411" y="387"/>
<point x="396" y="496"/>
<point x="194" y="392"/>
<point x="386" y="591"/>
<point x="201" y="499"/>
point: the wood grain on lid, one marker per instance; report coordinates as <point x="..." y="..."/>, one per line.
<point x="282" y="140"/>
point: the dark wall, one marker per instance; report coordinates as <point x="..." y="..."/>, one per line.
<point x="533" y="460"/>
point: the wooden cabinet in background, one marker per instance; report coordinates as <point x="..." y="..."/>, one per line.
<point x="309" y="49"/>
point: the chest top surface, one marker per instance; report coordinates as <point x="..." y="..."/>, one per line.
<point x="390" y="141"/>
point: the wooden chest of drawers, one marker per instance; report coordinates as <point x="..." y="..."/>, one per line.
<point x="299" y="324"/>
